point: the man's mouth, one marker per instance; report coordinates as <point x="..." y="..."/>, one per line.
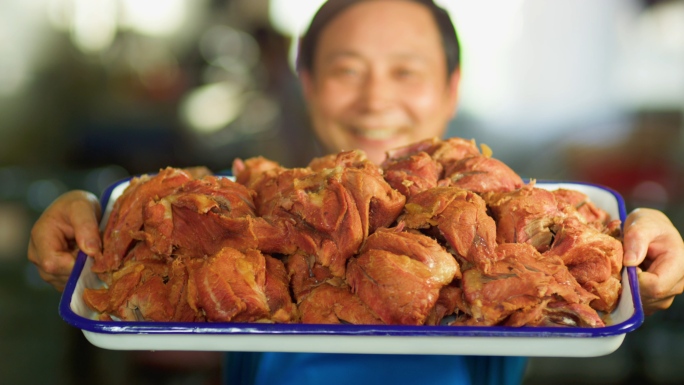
<point x="381" y="134"/>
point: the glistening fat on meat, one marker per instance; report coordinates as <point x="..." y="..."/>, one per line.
<point x="440" y="233"/>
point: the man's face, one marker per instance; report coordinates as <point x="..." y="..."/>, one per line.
<point x="379" y="79"/>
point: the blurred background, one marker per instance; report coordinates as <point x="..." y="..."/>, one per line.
<point x="92" y="91"/>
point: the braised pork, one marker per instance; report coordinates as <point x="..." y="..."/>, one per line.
<point x="399" y="275"/>
<point x="524" y="287"/>
<point x="440" y="233"/>
<point x="459" y="217"/>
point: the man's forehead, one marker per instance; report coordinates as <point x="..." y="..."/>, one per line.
<point x="402" y="55"/>
<point x="387" y="23"/>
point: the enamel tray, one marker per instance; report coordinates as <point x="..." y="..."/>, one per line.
<point x="366" y="339"/>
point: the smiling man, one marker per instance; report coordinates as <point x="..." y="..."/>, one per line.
<point x="378" y="76"/>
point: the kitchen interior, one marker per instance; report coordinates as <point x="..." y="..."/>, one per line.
<point x="94" y="91"/>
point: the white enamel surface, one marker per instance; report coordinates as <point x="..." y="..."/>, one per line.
<point x="478" y="346"/>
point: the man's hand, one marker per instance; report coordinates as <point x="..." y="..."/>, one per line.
<point x="653" y="243"/>
<point x="69" y="224"/>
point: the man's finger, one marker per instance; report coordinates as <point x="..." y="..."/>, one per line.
<point x="84" y="219"/>
<point x="638" y="234"/>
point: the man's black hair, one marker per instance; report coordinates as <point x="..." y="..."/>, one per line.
<point x="331" y="8"/>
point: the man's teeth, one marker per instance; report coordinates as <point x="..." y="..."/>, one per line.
<point x="377" y="134"/>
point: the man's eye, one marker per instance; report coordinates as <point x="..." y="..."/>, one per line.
<point x="346" y="71"/>
<point x="405" y="73"/>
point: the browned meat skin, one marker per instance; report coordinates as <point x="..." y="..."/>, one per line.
<point x="248" y="172"/>
<point x="449" y="301"/>
<point x="400" y="290"/>
<point x="328" y="213"/>
<point x="277" y="290"/>
<point x="127" y="214"/>
<point x="525" y="215"/>
<point x="413" y="174"/>
<point x="441" y="264"/>
<point x="228" y="196"/>
<point x="141" y="252"/>
<point x="354" y="158"/>
<point x="177" y="288"/>
<point x="419" y="166"/>
<point x="585" y="208"/>
<point x="305" y="274"/>
<point x="454" y="149"/>
<point x="481" y="174"/>
<point x="443" y="151"/>
<point x="124" y="283"/>
<point x="554" y="314"/>
<point x="399" y="275"/>
<point x="462" y="165"/>
<point x="228" y="286"/>
<point x="378" y="203"/>
<point x="274" y="186"/>
<point x="148" y="301"/>
<point x="196" y="234"/>
<point x="522" y="281"/>
<point x="594" y="259"/>
<point x="608" y="293"/>
<point x="462" y="220"/>
<point x="135" y="293"/>
<point x="567" y="286"/>
<point x="330" y="304"/>
<point x="198" y="172"/>
<point x="200" y="218"/>
<point x="428" y="146"/>
<point x="328" y="224"/>
<point x="551" y="222"/>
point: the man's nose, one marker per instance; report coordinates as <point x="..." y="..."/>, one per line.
<point x="378" y="92"/>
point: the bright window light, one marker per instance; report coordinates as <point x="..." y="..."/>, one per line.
<point x="154" y="17"/>
<point x="212" y="107"/>
<point x="291" y="17"/>
<point x="94" y="24"/>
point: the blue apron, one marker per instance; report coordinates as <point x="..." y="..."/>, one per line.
<point x="361" y="369"/>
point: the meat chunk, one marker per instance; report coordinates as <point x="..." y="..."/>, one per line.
<point x="305" y="274"/>
<point x="481" y="174"/>
<point x="594" y="259"/>
<point x="399" y="275"/>
<point x="330" y="304"/>
<point x="450" y="301"/>
<point x="441" y="264"/>
<point x="277" y="290"/>
<point x="588" y="211"/>
<point x="413" y="174"/>
<point x="524" y="287"/>
<point x="552" y="223"/>
<point x="328" y="212"/>
<point x="228" y="286"/>
<point x="127" y="215"/>
<point x="444" y="152"/>
<point x="200" y="218"/>
<point x="249" y="172"/>
<point x="419" y="166"/>
<point x="396" y="287"/>
<point x="525" y="215"/>
<point x="460" y="217"/>
<point x="137" y="293"/>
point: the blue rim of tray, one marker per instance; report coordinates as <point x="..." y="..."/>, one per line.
<point x="227" y="328"/>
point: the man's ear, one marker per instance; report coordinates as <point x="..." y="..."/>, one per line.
<point x="306" y="79"/>
<point x="454" y="90"/>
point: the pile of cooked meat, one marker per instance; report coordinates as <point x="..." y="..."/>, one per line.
<point x="441" y="233"/>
